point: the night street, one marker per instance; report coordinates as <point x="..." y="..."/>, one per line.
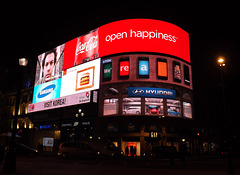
<point x="153" y="81"/>
<point x="51" y="165"/>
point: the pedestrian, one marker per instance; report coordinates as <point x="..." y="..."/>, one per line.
<point x="126" y="151"/>
<point x="131" y="151"/>
<point x="134" y="151"/>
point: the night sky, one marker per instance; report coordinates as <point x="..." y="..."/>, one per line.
<point x="213" y="30"/>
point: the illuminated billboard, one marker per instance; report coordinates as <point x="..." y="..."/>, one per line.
<point x="81" y="78"/>
<point x="131" y="35"/>
<point x="143" y="35"/>
<point x="73" y="86"/>
<point x="151" y="92"/>
<point x="73" y="68"/>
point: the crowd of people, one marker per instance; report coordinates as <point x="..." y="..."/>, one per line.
<point x="130" y="152"/>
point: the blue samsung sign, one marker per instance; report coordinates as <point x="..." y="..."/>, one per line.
<point x="47" y="90"/>
<point x="151" y="92"/>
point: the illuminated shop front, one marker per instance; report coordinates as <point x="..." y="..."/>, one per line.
<point x="141" y="100"/>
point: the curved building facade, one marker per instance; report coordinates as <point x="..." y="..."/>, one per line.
<point x="138" y="74"/>
<point x="145" y="100"/>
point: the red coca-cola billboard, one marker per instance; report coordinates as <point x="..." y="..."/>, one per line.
<point x="81" y="50"/>
<point x="87" y="48"/>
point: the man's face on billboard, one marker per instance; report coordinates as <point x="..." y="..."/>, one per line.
<point x="48" y="66"/>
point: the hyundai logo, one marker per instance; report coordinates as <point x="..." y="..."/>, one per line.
<point x="138" y="91"/>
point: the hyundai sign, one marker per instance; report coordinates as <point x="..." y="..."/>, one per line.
<point x="151" y="92"/>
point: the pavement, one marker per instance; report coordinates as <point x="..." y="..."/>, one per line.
<point x="51" y="165"/>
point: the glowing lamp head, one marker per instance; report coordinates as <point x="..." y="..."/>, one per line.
<point x="221" y="61"/>
<point x="23" y="61"/>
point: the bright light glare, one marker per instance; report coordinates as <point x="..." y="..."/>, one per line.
<point x="23" y="61"/>
<point x="221" y="60"/>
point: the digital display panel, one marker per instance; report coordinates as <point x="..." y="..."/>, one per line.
<point x="47" y="91"/>
<point x="143" y="67"/>
<point x="124" y="68"/>
<point x="107" y="69"/>
<point x="49" y="65"/>
<point x="177" y="72"/>
<point x="72" y="88"/>
<point x="81" y="78"/>
<point x="162" y="72"/>
<point x="186" y="75"/>
<point x="143" y="35"/>
<point x="81" y="50"/>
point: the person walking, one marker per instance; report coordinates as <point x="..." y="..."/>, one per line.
<point x="126" y="151"/>
<point x="131" y="151"/>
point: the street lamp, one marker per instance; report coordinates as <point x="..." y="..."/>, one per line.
<point x="23" y="61"/>
<point x="10" y="160"/>
<point x="221" y="61"/>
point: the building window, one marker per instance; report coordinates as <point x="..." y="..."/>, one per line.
<point x="173" y="107"/>
<point x="187" y="96"/>
<point x="125" y="91"/>
<point x="110" y="106"/>
<point x="131" y="106"/>
<point x="187" y="110"/>
<point x="110" y="91"/>
<point x="153" y="106"/>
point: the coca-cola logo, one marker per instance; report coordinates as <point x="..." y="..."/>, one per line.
<point x="91" y="44"/>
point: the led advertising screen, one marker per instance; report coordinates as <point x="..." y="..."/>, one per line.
<point x="177" y="71"/>
<point x="73" y="87"/>
<point x="124" y="68"/>
<point x="81" y="50"/>
<point x="162" y="69"/>
<point x="81" y="78"/>
<point x="107" y="69"/>
<point x="143" y="67"/>
<point x="74" y="67"/>
<point x="143" y="35"/>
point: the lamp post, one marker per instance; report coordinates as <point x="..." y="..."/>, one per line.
<point x="221" y="61"/>
<point x="222" y="64"/>
<point x="10" y="160"/>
